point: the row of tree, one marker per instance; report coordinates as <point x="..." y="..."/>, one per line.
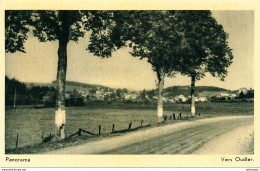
<point x="186" y="42"/>
<point x="16" y="93"/>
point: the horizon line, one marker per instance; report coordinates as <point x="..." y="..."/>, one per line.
<point x="130" y="88"/>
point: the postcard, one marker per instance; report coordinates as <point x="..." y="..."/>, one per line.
<point x="129" y="83"/>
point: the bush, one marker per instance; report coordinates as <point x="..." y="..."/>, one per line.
<point x="75" y="101"/>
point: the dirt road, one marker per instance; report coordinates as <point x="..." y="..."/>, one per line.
<point x="181" y="138"/>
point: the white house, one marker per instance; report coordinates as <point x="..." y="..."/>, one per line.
<point x="85" y="95"/>
<point x="224" y="95"/>
<point x="200" y="99"/>
<point x="203" y="99"/>
<point x="155" y="97"/>
<point x="165" y="99"/>
<point x="67" y="96"/>
<point x="181" y="98"/>
<point x="233" y="96"/>
<point x="130" y="96"/>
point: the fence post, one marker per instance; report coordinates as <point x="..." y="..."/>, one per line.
<point x="179" y="117"/>
<point x="99" y="130"/>
<point x="130" y="125"/>
<point x="165" y="117"/>
<point x="16" y="144"/>
<point x="42" y="136"/>
<point x="113" y="127"/>
<point x="142" y="122"/>
<point x="79" y="133"/>
<point x="173" y="116"/>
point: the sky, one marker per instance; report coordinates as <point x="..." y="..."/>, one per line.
<point x="39" y="63"/>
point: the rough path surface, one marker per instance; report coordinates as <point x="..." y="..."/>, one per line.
<point x="236" y="141"/>
<point x="189" y="137"/>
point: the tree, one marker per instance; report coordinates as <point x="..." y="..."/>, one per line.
<point x="93" y="91"/>
<point x="153" y="37"/>
<point x="14" y="88"/>
<point x="113" y="96"/>
<point x="119" y="93"/>
<point x="62" y="26"/>
<point x="36" y="94"/>
<point x="151" y="93"/>
<point x="125" y="90"/>
<point x="250" y="94"/>
<point x="242" y="95"/>
<point x="16" y="29"/>
<point x="203" y="47"/>
<point x="143" y="94"/>
<point x="150" y="34"/>
<point x="50" y="97"/>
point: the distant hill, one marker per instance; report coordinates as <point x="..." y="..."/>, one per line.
<point x="202" y="91"/>
<point x="33" y="84"/>
<point x="70" y="85"/>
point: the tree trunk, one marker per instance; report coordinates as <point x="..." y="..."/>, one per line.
<point x="160" y="75"/>
<point x="192" y="95"/>
<point x="60" y="115"/>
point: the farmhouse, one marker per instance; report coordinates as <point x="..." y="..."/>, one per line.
<point x="99" y="92"/>
<point x="200" y="99"/>
<point x="165" y="99"/>
<point x="227" y="96"/>
<point x="224" y="95"/>
<point x="232" y="96"/>
<point x="108" y="93"/>
<point x="180" y="98"/>
<point x="67" y="95"/>
<point x="155" y="97"/>
<point x="130" y="96"/>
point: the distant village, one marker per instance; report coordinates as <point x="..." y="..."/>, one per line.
<point x="107" y="94"/>
<point x="79" y="94"/>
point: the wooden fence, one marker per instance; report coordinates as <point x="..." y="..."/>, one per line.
<point x="80" y="131"/>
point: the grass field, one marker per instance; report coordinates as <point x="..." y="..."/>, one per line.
<point x="31" y="123"/>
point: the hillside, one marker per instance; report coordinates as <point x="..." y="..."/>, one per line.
<point x="84" y="87"/>
<point x="70" y="85"/>
<point x="34" y="84"/>
<point x="202" y="91"/>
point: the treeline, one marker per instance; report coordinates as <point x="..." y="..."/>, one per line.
<point x="16" y="93"/>
<point x="79" y="84"/>
<point x="185" y="90"/>
<point x="248" y="94"/>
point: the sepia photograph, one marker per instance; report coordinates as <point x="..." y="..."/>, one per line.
<point x="129" y="83"/>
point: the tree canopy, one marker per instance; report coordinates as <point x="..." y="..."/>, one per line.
<point x="189" y="42"/>
<point x="153" y="36"/>
<point x="63" y="26"/>
<point x="16" y="29"/>
<point x="203" y="46"/>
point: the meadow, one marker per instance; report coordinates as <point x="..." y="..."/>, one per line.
<point x="32" y="123"/>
